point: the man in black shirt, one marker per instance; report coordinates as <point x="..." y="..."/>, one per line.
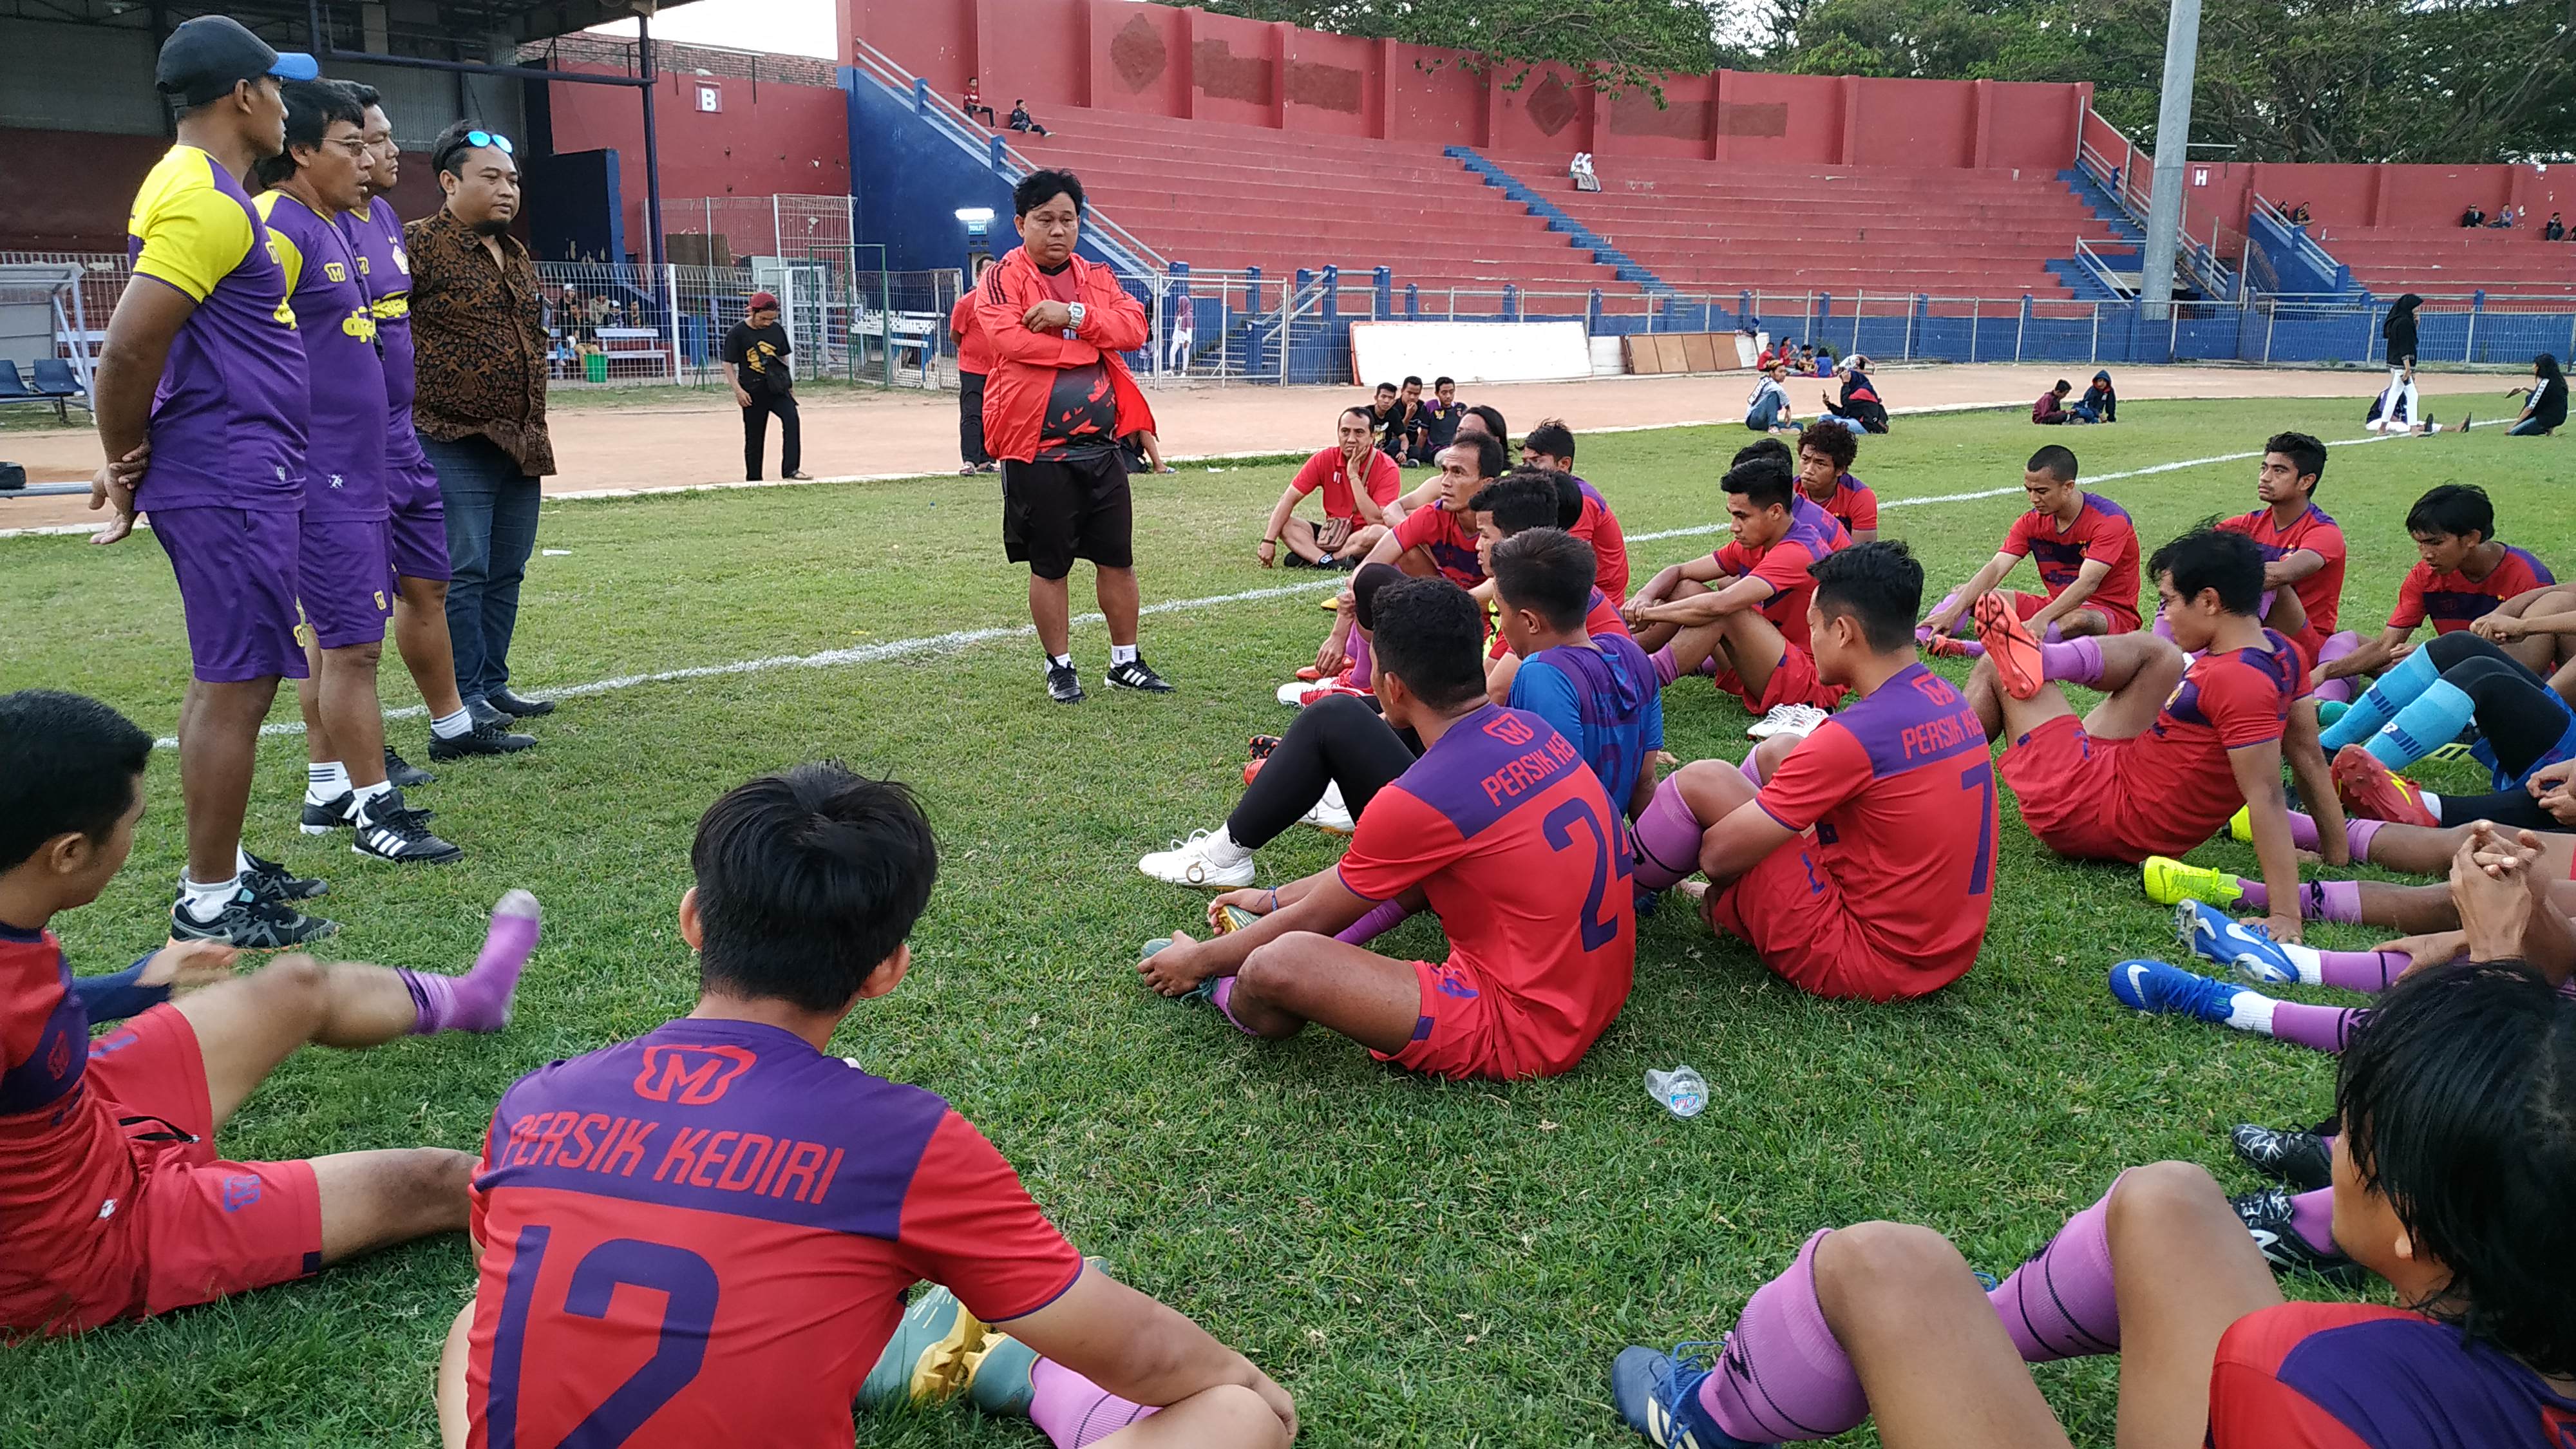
<point x="1438" y="421"/>
<point x="755" y="361"/>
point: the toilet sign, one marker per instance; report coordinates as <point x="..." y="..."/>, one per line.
<point x="2200" y="176"/>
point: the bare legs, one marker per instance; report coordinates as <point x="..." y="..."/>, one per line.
<point x="1050" y="609"/>
<point x="218" y="749"/>
<point x="420" y="634"/>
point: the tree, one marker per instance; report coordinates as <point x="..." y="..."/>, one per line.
<point x="1616" y="44"/>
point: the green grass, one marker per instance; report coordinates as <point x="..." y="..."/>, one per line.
<point x="1420" y="1263"/>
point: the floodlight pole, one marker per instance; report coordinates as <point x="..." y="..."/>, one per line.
<point x="2173" y="152"/>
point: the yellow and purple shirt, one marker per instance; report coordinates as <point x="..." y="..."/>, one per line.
<point x="344" y="458"/>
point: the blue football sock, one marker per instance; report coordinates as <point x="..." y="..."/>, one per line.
<point x="2380" y="703"/>
<point x="2432" y="721"/>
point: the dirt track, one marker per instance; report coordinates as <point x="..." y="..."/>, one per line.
<point x="899" y="435"/>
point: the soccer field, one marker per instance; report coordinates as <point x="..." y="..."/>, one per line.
<point x="1420" y="1263"/>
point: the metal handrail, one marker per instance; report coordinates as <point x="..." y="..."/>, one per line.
<point x="2100" y="270"/>
<point x="882" y="69"/>
<point x="2308" y="248"/>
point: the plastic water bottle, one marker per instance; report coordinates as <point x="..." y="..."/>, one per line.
<point x="1680" y="1090"/>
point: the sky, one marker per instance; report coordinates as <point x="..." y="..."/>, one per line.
<point x="787" y="27"/>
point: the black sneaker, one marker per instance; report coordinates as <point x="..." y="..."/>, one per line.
<point x="483" y="739"/>
<point x="1135" y="674"/>
<point x="2300" y="1159"/>
<point x="250" y="922"/>
<point x="1291" y="559"/>
<point x="323" y="819"/>
<point x="277" y="883"/>
<point x="2266" y="1215"/>
<point x="1064" y="684"/>
<point x="389" y="830"/>
<point x="404" y="773"/>
<point x="520" y="705"/>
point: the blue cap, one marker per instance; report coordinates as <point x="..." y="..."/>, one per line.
<point x="206" y="57"/>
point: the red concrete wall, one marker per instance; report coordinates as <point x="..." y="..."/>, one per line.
<point x="769" y="139"/>
<point x="44" y="215"/>
<point x="1189" y="64"/>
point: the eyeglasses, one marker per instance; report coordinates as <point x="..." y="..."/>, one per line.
<point x="355" y="146"/>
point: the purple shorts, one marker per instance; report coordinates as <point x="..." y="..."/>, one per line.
<point x="238" y="575"/>
<point x="348" y="583"/>
<point x="419" y="522"/>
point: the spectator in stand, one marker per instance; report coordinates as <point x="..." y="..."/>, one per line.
<point x="1860" y="407"/>
<point x="2504" y="220"/>
<point x="755" y="362"/>
<point x="975" y="100"/>
<point x="2473" y="217"/>
<point x="480" y="405"/>
<point x="1020" y="119"/>
<point x="2100" y="404"/>
<point x="1585" y="178"/>
<point x="2554" y="230"/>
<point x="1783" y="350"/>
<point x="1768" y="410"/>
<point x="2544" y="408"/>
<point x="974" y="361"/>
<point x="2299" y="215"/>
<point x="2050" y="410"/>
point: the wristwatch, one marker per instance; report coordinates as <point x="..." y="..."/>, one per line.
<point x="1077" y="309"/>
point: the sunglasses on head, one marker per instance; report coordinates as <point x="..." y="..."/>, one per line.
<point x="474" y="139"/>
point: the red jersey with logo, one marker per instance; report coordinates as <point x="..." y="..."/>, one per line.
<point x="2175" y="784"/>
<point x="703" y="1236"/>
<point x="2357" y="1376"/>
<point x="1451" y="543"/>
<point x="1600" y="528"/>
<point x="1509" y="835"/>
<point x="1822" y="519"/>
<point x="1852" y="505"/>
<point x="2101" y="532"/>
<point x="1329" y="471"/>
<point x="1783" y="565"/>
<point x="2320" y="593"/>
<point x="65" y="1169"/>
<point x="2454" y="601"/>
<point x="1900" y="790"/>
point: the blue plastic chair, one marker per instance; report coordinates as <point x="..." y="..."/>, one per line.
<point x="54" y="377"/>
<point x="14" y="389"/>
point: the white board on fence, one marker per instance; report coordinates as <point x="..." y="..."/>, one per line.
<point x="1471" y="352"/>
<point x="1748" y="350"/>
<point x="1607" y="360"/>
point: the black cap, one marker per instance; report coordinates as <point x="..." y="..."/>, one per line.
<point x="206" y="57"/>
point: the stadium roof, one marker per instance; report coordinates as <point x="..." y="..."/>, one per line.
<point x="426" y="29"/>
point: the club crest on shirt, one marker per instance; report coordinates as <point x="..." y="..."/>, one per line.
<point x="335" y="271"/>
<point x="692" y="1075"/>
<point x="402" y="261"/>
<point x="364" y="269"/>
<point x="1509" y="730"/>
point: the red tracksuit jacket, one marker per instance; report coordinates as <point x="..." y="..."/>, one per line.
<point x="1025" y="362"/>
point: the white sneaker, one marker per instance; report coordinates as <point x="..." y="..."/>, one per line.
<point x="1795" y="720"/>
<point x="1293" y="693"/>
<point x="1202" y="861"/>
<point x="1330" y="815"/>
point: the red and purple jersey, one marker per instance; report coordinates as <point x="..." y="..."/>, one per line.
<point x="2320" y="593"/>
<point x="1900" y="790"/>
<point x="2175" y="783"/>
<point x="2454" y="601"/>
<point x="344" y="458"/>
<point x="704" y="1236"/>
<point x="1820" y="518"/>
<point x="1451" y="544"/>
<point x="1329" y="471"/>
<point x="1599" y="527"/>
<point x="1783" y="565"/>
<point x="375" y="234"/>
<point x="1523" y="856"/>
<point x="2101" y="532"/>
<point x="2357" y="1376"/>
<point x="231" y="412"/>
<point x="1601" y="620"/>
<point x="1853" y="505"/>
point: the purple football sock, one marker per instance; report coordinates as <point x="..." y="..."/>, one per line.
<point x="2052" y="635"/>
<point x="2357" y="833"/>
<point x="1072" y="1411"/>
<point x="1973" y="648"/>
<point x="2338" y="690"/>
<point x="1361" y="654"/>
<point x="2337" y="900"/>
<point x="1221" y="996"/>
<point x="2372" y="971"/>
<point x="1667" y="838"/>
<point x="2319" y="1028"/>
<point x="1667" y="668"/>
<point x="1784" y="1375"/>
<point x="2060" y="1304"/>
<point x="2256" y="896"/>
<point x="479" y="1000"/>
<point x="1383" y="917"/>
<point x="2312" y="1218"/>
<point x="2077" y="661"/>
<point x="1751" y="769"/>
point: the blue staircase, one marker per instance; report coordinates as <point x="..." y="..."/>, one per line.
<point x="1577" y="235"/>
<point x="2105" y="207"/>
<point x="2112" y="217"/>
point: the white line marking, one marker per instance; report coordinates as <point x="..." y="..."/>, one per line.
<point x="961" y="638"/>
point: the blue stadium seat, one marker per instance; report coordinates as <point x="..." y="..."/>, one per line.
<point x="54" y="377"/>
<point x="14" y="389"/>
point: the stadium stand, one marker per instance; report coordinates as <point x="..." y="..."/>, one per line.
<point x="2390" y="260"/>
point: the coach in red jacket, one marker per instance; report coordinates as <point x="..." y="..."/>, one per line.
<point x="1055" y="405"/>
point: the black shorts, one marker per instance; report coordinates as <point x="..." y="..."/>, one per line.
<point x="1054" y="513"/>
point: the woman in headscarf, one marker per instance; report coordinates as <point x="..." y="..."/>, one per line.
<point x="1860" y="407"/>
<point x="2399" y="400"/>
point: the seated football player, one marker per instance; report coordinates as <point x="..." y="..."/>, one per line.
<point x="1861" y="862"/>
<point x="1550" y="446"/>
<point x="113" y="1203"/>
<point x="1593" y="684"/>
<point x="1523" y="499"/>
<point x="2087" y="552"/>
<point x="2455" y="680"/>
<point x="2303" y="549"/>
<point x="1360" y="485"/>
<point x="2538" y="628"/>
<point x="2159" y="766"/>
<point x="2450" y="1184"/>
<point x="1500" y="827"/>
<point x="1808" y="510"/>
<point x="1744" y="608"/>
<point x="726" y="1189"/>
<point x="2462" y="574"/>
<point x="1826" y="452"/>
<point x="1436" y="539"/>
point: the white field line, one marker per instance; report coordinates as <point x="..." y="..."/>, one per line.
<point x="962" y="638"/>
